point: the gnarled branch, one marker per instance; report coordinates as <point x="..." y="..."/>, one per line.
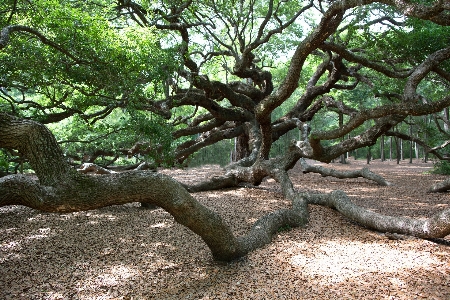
<point x="364" y="172"/>
<point x="65" y="190"/>
<point x="437" y="226"/>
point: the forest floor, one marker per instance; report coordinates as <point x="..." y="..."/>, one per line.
<point x="127" y="252"/>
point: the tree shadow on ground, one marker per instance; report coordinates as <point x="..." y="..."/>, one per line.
<point x="121" y="251"/>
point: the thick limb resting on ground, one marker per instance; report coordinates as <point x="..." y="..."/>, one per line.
<point x="364" y="172"/>
<point x="62" y="189"/>
<point x="443" y="186"/>
<point x="438" y="226"/>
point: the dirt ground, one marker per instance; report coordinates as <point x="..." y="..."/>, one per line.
<point x="126" y="252"/>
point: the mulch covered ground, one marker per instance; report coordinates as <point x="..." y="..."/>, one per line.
<point x="126" y="252"/>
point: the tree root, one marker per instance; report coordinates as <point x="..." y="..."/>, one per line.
<point x="364" y="172"/>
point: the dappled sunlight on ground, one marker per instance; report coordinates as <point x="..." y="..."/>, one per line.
<point x="339" y="260"/>
<point x="127" y="252"/>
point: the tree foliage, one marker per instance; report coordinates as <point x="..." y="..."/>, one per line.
<point x="218" y="67"/>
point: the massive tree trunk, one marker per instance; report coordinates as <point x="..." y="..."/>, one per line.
<point x="62" y="189"/>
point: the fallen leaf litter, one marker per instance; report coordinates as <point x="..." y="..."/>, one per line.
<point x="125" y="252"/>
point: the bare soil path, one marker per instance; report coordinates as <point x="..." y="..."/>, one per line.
<point x="126" y="252"/>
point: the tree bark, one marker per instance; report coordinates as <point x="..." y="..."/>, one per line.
<point x="390" y="148"/>
<point x="341" y="123"/>
<point x="446" y="119"/>
<point x="416" y="151"/>
<point x="401" y="150"/>
<point x="437" y="226"/>
<point x="398" y="148"/>
<point x="439" y="187"/>
<point x="242" y="147"/>
<point x="365" y="173"/>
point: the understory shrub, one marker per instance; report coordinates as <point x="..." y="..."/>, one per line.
<point x="442" y="167"/>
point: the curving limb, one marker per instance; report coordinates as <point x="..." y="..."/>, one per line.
<point x="91" y="192"/>
<point x="66" y="190"/>
<point x="437" y="226"/>
<point x="364" y="172"/>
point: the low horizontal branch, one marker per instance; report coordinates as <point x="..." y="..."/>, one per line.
<point x="364" y="172"/>
<point x="437" y="226"/>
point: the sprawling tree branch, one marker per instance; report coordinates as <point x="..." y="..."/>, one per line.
<point x="437" y="226"/>
<point x="443" y="186"/>
<point x="438" y="12"/>
<point x="365" y="173"/>
<point x="62" y="189"/>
